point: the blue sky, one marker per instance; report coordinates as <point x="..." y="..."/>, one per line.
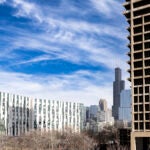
<point x="62" y="49"/>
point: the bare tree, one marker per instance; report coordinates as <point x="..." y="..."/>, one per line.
<point x="2" y="133"/>
<point x="51" y="140"/>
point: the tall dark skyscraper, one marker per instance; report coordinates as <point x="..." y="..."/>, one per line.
<point x="118" y="86"/>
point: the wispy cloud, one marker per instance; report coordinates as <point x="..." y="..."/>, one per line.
<point x="27" y="9"/>
<point x="108" y="8"/>
<point x="96" y="51"/>
<point x="55" y="21"/>
<point x="2" y="1"/>
<point x="71" y="87"/>
<point x="56" y="33"/>
<point x="37" y="59"/>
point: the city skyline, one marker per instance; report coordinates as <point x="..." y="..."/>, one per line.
<point x="61" y="55"/>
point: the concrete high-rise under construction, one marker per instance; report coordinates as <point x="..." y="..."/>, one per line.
<point x="138" y="16"/>
<point x="118" y="86"/>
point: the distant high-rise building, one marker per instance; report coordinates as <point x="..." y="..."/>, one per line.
<point x="104" y="114"/>
<point x="138" y="16"/>
<point x="103" y="105"/>
<point x="87" y="114"/>
<point x="118" y="86"/>
<point x="125" y="106"/>
<point x="109" y="117"/>
<point x="93" y="111"/>
<point x="102" y="111"/>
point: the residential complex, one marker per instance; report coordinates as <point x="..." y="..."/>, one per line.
<point x="118" y="86"/>
<point x="20" y="114"/>
<point x="138" y="16"/>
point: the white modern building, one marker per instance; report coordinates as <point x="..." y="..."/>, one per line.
<point x="20" y="114"/>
